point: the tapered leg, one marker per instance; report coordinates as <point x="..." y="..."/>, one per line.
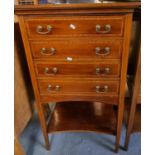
<point x="118" y="137"/>
<point x="43" y="124"/>
<point x="135" y="93"/>
<point x="119" y="126"/>
<point x="130" y="124"/>
<point x="47" y="145"/>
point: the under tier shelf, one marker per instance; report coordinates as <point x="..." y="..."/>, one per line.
<point x="83" y="116"/>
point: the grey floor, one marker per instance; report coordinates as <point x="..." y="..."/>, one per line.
<point x="72" y="143"/>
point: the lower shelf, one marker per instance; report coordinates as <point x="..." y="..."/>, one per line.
<point x="83" y="116"/>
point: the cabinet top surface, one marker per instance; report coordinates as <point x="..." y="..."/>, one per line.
<point x="78" y="1"/>
<point x="51" y="4"/>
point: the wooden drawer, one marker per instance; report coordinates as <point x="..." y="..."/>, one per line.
<point x="78" y="25"/>
<point x="80" y="69"/>
<point x="78" y="86"/>
<point x="77" y="49"/>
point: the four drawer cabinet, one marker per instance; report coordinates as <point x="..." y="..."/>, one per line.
<point x="77" y="56"/>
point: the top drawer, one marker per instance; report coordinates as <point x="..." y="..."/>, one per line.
<point x="74" y="26"/>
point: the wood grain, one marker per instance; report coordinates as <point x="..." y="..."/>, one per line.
<point x="109" y="68"/>
<point x="77" y="48"/>
<point x="125" y="54"/>
<point x="84" y="26"/>
<point x="68" y="116"/>
<point x="82" y="86"/>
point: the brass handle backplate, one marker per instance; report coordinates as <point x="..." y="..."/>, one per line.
<point x="52" y="71"/>
<point x="53" y="89"/>
<point x="48" y="52"/>
<point x="40" y="29"/>
<point x="104" y="71"/>
<point x="102" y="52"/>
<point x="103" y="89"/>
<point x="107" y="28"/>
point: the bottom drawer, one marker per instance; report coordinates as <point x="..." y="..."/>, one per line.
<point x="78" y="90"/>
<point x="78" y="86"/>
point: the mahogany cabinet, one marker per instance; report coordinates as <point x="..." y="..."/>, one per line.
<point x="77" y="54"/>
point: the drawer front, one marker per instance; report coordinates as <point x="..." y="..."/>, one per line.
<point x="86" y="25"/>
<point x="81" y="86"/>
<point x="77" y="49"/>
<point x="86" y="69"/>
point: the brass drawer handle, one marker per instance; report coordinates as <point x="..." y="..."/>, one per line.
<point x="53" y="89"/>
<point x="54" y="70"/>
<point x="107" y="29"/>
<point x="102" y="52"/>
<point x="40" y="29"/>
<point x="47" y="52"/>
<point x="102" y="89"/>
<point x="103" y="71"/>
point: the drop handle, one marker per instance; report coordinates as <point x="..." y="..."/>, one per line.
<point x="102" y="52"/>
<point x="48" y="52"/>
<point x="49" y="87"/>
<point x="53" y="89"/>
<point x="41" y="30"/>
<point x="104" y="71"/>
<point x="57" y="88"/>
<point x="107" y="28"/>
<point x="103" y="89"/>
<point x="54" y="70"/>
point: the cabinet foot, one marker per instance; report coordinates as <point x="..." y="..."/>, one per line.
<point x="116" y="148"/>
<point x="47" y="146"/>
